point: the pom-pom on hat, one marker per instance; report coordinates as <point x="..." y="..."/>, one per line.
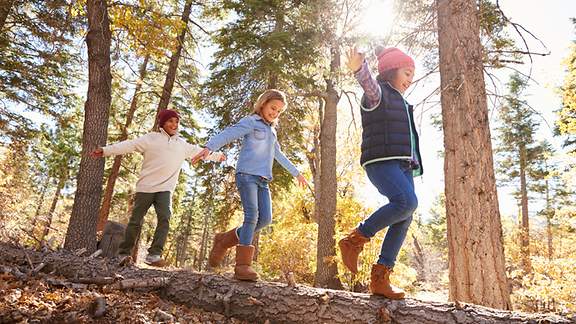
<point x="392" y="58"/>
<point x="166" y="114"/>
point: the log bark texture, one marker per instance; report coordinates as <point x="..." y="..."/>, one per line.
<point x="273" y="302"/>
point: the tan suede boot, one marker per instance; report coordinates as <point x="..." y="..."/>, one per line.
<point x="222" y="242"/>
<point x="243" y="269"/>
<point x="350" y="247"/>
<point x="380" y="283"/>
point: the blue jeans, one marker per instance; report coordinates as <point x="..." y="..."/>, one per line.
<point x="394" y="180"/>
<point x="255" y="196"/>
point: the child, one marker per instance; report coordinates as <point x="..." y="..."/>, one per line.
<point x="390" y="156"/>
<point x="253" y="173"/>
<point x="164" y="151"/>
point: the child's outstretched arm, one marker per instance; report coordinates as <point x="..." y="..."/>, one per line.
<point x="357" y="64"/>
<point x="243" y="127"/>
<point x="286" y="164"/>
<point x="120" y="148"/>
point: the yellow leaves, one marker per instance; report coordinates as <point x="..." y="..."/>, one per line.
<point x="78" y="8"/>
<point x="148" y="29"/>
<point x="550" y="280"/>
<point x="567" y="115"/>
<point x="550" y="286"/>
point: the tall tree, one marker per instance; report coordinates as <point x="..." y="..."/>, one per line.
<point x="81" y="231"/>
<point x="519" y="152"/>
<point x="326" y="267"/>
<point x="476" y="254"/>
<point x="173" y="65"/>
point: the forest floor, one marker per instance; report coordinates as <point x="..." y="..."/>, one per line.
<point x="43" y="298"/>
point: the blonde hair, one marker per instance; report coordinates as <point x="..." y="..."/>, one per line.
<point x="266" y="96"/>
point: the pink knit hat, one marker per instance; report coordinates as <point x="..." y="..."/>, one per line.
<point x="392" y="58"/>
<point x="166" y="114"/>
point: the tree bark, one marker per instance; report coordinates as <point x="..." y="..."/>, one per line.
<point x="315" y="161"/>
<point x="549" y="214"/>
<point x="419" y="259"/>
<point x="326" y="266"/>
<point x="82" y="227"/>
<point x="476" y="253"/>
<point x="272" y="302"/>
<point x="524" y="228"/>
<point x="50" y="215"/>
<point x="181" y="253"/>
<point x="115" y="170"/>
<point x="173" y="65"/>
<point x="203" y="250"/>
<point x="40" y="203"/>
<point x="5" y="7"/>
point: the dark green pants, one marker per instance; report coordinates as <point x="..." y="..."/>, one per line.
<point x="142" y="202"/>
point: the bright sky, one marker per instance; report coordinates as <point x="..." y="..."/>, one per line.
<point x="549" y="21"/>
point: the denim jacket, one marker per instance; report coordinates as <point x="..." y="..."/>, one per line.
<point x="259" y="147"/>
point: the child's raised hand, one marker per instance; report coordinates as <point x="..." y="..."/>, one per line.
<point x="201" y="155"/>
<point x="354" y="59"/>
<point x="97" y="153"/>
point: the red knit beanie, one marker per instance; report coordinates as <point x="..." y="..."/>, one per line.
<point x="392" y="58"/>
<point x="166" y="114"/>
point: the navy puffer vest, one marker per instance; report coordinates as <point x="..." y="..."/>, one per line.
<point x="386" y="129"/>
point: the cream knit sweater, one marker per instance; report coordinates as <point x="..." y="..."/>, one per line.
<point x="163" y="158"/>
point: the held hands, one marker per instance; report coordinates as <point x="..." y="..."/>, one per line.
<point x="204" y="154"/>
<point x="97" y="153"/>
<point x="354" y="59"/>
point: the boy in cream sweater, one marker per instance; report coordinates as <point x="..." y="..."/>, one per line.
<point x="164" y="152"/>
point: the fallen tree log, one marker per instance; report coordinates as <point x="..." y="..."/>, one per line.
<point x="272" y="302"/>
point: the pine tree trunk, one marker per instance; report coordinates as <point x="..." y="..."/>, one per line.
<point x="5" y="6"/>
<point x="201" y="255"/>
<point x="419" y="259"/>
<point x="183" y="236"/>
<point x="115" y="170"/>
<point x="50" y="215"/>
<point x="313" y="158"/>
<point x="525" y="228"/>
<point x="549" y="214"/>
<point x="173" y="65"/>
<point x="326" y="267"/>
<point x="476" y="253"/>
<point x="317" y="161"/>
<point x="82" y="227"/>
<point x="40" y="203"/>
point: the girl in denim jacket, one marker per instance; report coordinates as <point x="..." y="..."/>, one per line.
<point x="253" y="173"/>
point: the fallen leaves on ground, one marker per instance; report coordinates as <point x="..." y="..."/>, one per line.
<point x="34" y="300"/>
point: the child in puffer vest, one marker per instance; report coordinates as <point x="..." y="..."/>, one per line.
<point x="391" y="158"/>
